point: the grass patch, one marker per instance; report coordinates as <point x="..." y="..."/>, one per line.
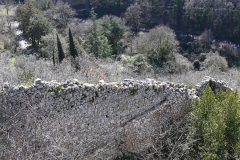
<point x="26" y="84"/>
<point x="56" y="89"/>
<point x="190" y="85"/>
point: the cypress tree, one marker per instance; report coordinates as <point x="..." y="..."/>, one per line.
<point x="73" y="51"/>
<point x="60" y="50"/>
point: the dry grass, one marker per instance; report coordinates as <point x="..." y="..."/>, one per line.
<point x="22" y="69"/>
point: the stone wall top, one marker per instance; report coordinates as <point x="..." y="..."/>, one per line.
<point x="130" y="84"/>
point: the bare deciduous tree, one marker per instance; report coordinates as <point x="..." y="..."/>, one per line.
<point x="133" y="15"/>
<point x="63" y="11"/>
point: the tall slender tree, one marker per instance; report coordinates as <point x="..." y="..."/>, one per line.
<point x="73" y="51"/>
<point x="61" y="55"/>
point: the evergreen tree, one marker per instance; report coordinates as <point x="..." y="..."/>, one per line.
<point x="178" y="9"/>
<point x="73" y="51"/>
<point x="98" y="42"/>
<point x="38" y="26"/>
<point x="61" y="55"/>
<point x="114" y="33"/>
<point x="23" y="16"/>
<point x="217" y="125"/>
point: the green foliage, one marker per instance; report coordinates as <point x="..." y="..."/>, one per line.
<point x="73" y="50"/>
<point x="110" y="7"/>
<point x="26" y="84"/>
<point x="238" y="23"/>
<point x="114" y="33"/>
<point x="215" y="119"/>
<point x="23" y="15"/>
<point x="56" y="89"/>
<point x="126" y="157"/>
<point x="61" y="55"/>
<point x="98" y="42"/>
<point x="160" y="55"/>
<point x="48" y="46"/>
<point x="231" y="55"/>
<point x="38" y="26"/>
<point x="178" y="10"/>
<point x="139" y="61"/>
<point x="45" y="5"/>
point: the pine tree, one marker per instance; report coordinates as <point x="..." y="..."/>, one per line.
<point x="73" y="51"/>
<point x="114" y="33"/>
<point x="60" y="50"/>
<point x="98" y="42"/>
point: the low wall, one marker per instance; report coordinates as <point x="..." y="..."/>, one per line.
<point x="74" y="120"/>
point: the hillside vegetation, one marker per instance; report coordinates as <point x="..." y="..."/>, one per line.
<point x="168" y="40"/>
<point x="135" y="40"/>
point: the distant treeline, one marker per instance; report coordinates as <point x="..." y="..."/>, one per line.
<point x="190" y="16"/>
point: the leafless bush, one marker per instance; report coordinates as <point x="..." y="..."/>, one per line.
<point x="79" y="30"/>
<point x="160" y="35"/>
<point x="3" y="23"/>
<point x="182" y="63"/>
<point x="213" y="59"/>
<point x="173" y="142"/>
<point x="23" y="132"/>
<point x="92" y="70"/>
<point x="205" y="39"/>
<point x="9" y="41"/>
<point x="24" y="69"/>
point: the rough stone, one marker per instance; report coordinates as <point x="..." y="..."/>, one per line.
<point x="88" y="121"/>
<point x="38" y="81"/>
<point x="6" y="85"/>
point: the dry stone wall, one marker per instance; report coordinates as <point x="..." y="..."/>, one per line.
<point x="75" y="120"/>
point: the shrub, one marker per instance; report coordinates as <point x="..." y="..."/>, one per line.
<point x="182" y="62"/>
<point x="231" y="55"/>
<point x="196" y="65"/>
<point x="172" y="142"/>
<point x="213" y="59"/>
<point x="215" y="120"/>
<point x="158" y="45"/>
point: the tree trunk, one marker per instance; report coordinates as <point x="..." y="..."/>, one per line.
<point x="53" y="58"/>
